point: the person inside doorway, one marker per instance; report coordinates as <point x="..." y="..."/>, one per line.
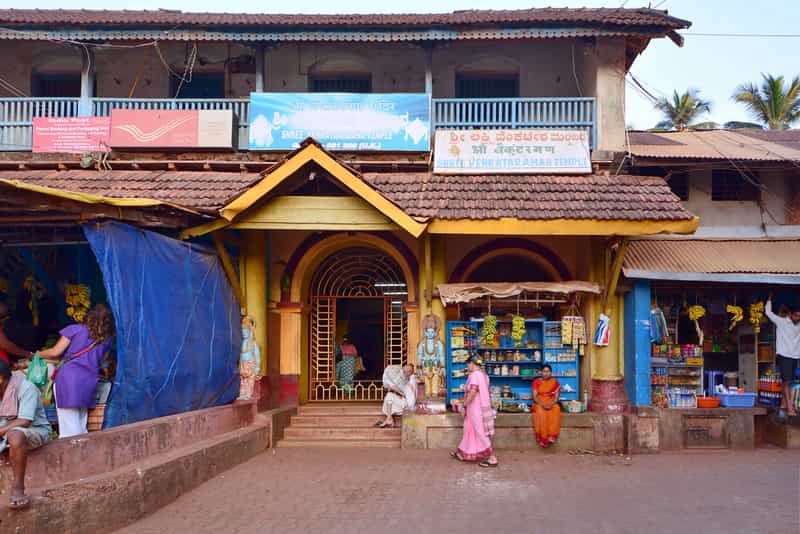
<point x="8" y="349"/>
<point x="401" y="393"/>
<point x="347" y="359"/>
<point x="787" y="348"/>
<point x="23" y="427"/>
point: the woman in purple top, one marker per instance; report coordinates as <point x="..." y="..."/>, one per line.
<point x="82" y="347"/>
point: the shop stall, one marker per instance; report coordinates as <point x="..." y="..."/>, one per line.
<point x="516" y="329"/>
<point x="713" y="340"/>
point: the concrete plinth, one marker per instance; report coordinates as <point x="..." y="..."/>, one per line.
<point x="515" y="431"/>
<point x="708" y="428"/>
<point x="608" y="397"/>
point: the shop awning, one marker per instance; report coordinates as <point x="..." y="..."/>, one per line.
<point x="467" y="292"/>
<point x="760" y="261"/>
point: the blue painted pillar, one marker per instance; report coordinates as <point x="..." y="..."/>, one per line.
<point x="637" y="343"/>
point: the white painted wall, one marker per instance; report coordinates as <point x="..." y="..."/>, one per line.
<point x="740" y="218"/>
<point x="547" y="68"/>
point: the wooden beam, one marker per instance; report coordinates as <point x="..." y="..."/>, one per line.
<point x="586" y="227"/>
<point x="611" y="282"/>
<point x="203" y="229"/>
<point x="227" y="266"/>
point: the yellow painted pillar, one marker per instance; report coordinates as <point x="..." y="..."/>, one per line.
<point x="438" y="275"/>
<point x="290" y="349"/>
<point x="608" y="391"/>
<point x="424" y="296"/>
<point x="254" y="278"/>
<point x="414" y="322"/>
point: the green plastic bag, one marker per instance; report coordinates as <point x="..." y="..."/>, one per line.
<point x="37" y="371"/>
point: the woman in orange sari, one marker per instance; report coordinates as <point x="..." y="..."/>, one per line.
<point x="546" y="410"/>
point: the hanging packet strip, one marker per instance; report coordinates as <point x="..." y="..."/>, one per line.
<point x="602" y="334"/>
<point x="659" y="330"/>
<point x="566" y="330"/>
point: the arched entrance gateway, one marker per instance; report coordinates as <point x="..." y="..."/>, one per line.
<point x="358" y="292"/>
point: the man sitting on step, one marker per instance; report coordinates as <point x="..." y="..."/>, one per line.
<point x="401" y="392"/>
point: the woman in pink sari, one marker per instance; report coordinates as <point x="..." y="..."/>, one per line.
<point x="476" y="443"/>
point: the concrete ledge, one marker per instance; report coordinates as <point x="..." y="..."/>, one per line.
<point x="280" y="419"/>
<point x="515" y="431"/>
<point x="786" y="436"/>
<point x="69" y="459"/>
<point x="732" y="428"/>
<point x="118" y="498"/>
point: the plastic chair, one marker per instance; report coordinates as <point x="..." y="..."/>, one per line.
<point x="713" y="378"/>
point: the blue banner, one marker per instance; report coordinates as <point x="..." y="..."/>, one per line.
<point x="340" y="121"/>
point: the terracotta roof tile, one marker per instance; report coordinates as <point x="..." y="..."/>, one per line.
<point x="203" y="191"/>
<point x="530" y="196"/>
<point x="592" y="16"/>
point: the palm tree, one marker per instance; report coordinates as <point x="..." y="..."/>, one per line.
<point x="773" y="104"/>
<point x="681" y="110"/>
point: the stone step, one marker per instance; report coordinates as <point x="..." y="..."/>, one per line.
<point x="340" y="409"/>
<point x="344" y="443"/>
<point x="358" y="421"/>
<point x="344" y="433"/>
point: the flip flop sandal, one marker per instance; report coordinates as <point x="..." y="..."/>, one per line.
<point x="455" y="456"/>
<point x="18" y="503"/>
<point x="488" y="464"/>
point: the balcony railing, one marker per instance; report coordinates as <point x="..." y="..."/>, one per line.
<point x="17" y="114"/>
<point x="568" y="113"/>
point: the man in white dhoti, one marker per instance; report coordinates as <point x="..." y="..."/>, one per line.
<point x="401" y="392"/>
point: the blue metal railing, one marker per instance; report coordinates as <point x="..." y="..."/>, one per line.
<point x="568" y="113"/>
<point x="17" y="114"/>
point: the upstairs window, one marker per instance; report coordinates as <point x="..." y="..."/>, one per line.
<point x="476" y="85"/>
<point x="56" y="85"/>
<point x="203" y="85"/>
<point x="341" y="83"/>
<point x="729" y="184"/>
<point x="679" y="184"/>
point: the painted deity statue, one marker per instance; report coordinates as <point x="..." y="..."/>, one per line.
<point x="430" y="355"/>
<point x="249" y="359"/>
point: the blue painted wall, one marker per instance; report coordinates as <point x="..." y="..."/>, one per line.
<point x="637" y="344"/>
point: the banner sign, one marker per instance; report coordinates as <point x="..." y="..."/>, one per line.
<point x="340" y="121"/>
<point x="512" y="151"/>
<point x="161" y="128"/>
<point x="71" y="135"/>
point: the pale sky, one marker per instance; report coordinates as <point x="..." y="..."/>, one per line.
<point x="715" y="65"/>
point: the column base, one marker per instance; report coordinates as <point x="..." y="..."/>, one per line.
<point x="289" y="391"/>
<point x="608" y="397"/>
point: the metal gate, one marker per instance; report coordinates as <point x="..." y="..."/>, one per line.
<point x="354" y="273"/>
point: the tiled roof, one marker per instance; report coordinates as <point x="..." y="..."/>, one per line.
<point x="767" y="256"/>
<point x="530" y="196"/>
<point x="722" y="145"/>
<point x="601" y="16"/>
<point x="202" y="191"/>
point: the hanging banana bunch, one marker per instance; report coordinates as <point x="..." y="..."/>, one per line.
<point x="737" y="314"/>
<point x="78" y="298"/>
<point x="489" y="330"/>
<point x="517" y="329"/>
<point x="697" y="312"/>
<point x="757" y="315"/>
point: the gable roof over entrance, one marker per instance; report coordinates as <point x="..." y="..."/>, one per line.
<point x="311" y="151"/>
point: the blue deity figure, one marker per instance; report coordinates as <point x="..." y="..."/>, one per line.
<point x="430" y="355"/>
<point x="249" y="359"/>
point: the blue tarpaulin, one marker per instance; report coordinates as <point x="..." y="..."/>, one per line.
<point x="178" y="324"/>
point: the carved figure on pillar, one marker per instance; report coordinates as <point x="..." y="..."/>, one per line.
<point x="249" y="359"/>
<point x="430" y="356"/>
